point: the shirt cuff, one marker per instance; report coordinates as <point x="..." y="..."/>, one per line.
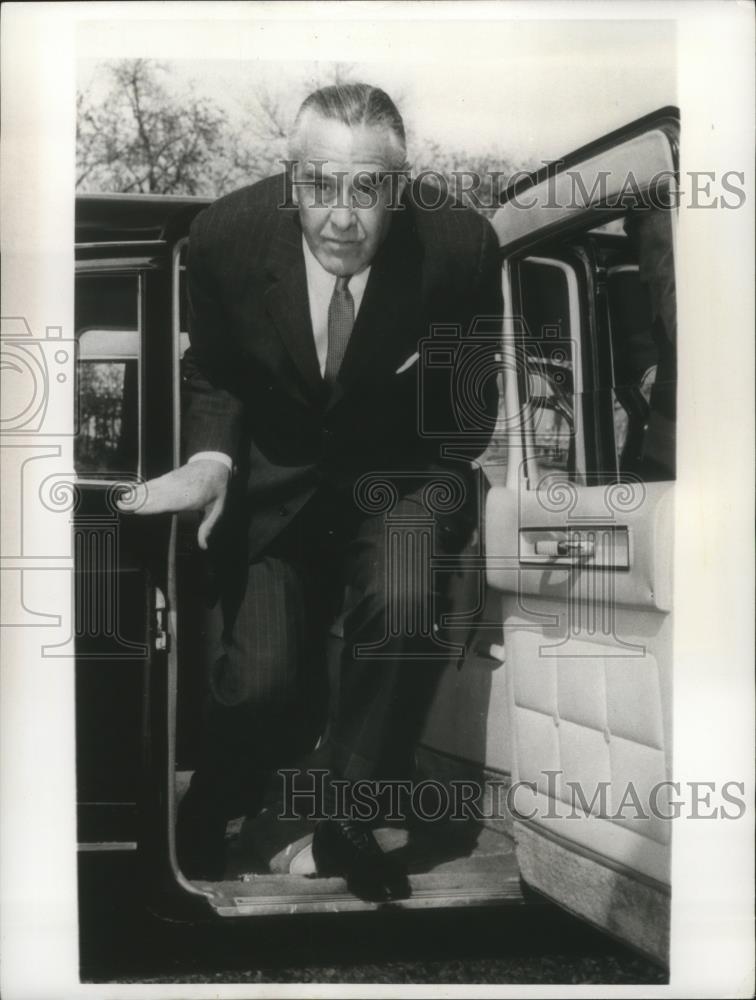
<point x="215" y="456"/>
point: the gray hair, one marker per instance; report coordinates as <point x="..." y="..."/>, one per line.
<point x="354" y="104"/>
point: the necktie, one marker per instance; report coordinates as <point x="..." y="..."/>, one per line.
<point x="340" y="323"/>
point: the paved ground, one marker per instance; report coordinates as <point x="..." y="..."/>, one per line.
<point x="531" y="944"/>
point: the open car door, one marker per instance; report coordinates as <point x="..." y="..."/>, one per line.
<point x="578" y="539"/>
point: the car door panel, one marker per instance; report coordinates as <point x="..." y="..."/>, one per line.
<point x="579" y="544"/>
<point x="579" y="549"/>
<point x="633" y="574"/>
<point x="118" y="560"/>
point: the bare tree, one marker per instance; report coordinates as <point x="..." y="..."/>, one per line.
<point x="142" y="132"/>
<point x="268" y="114"/>
<point x="260" y="145"/>
<point x="142" y="137"/>
<point x="476" y="179"/>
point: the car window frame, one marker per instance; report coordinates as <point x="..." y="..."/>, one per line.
<point x="92" y="270"/>
<point x="577" y="324"/>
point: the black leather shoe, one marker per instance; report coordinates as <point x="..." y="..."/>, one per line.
<point x="200" y="839"/>
<point x="349" y="849"/>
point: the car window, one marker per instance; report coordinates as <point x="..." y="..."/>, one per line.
<point x="107" y="376"/>
<point x="597" y="369"/>
<point x="547" y="301"/>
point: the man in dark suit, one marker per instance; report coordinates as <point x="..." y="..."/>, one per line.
<point x="310" y="401"/>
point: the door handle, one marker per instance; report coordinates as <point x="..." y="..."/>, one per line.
<point x="580" y="548"/>
<point x="594" y="546"/>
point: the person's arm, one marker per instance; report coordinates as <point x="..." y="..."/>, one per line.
<point x="213" y="406"/>
<point x="212" y="415"/>
<point x="198" y="485"/>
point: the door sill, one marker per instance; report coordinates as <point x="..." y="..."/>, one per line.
<point x="456" y="862"/>
<point x="452" y="864"/>
<point x="489" y="881"/>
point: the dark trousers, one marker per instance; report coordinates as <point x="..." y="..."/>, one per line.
<point x="269" y="696"/>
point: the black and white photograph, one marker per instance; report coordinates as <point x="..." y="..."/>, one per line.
<point x="377" y="465"/>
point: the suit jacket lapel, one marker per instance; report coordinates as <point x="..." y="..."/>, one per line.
<point x="287" y="300"/>
<point x="390" y="313"/>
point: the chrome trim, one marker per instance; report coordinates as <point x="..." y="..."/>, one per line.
<point x="125" y="264"/>
<point x="577" y="371"/>
<point x="622" y="269"/>
<point x="109" y="244"/>
<point x="99" y="846"/>
<point x="93" y="481"/>
<point x="515" y="454"/>
<point x="171" y="616"/>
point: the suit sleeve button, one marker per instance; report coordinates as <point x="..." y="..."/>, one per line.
<point x="283" y="511"/>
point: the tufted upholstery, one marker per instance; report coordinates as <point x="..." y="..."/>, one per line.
<point x="594" y="717"/>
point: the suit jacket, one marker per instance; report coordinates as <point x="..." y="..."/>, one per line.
<point x="252" y="384"/>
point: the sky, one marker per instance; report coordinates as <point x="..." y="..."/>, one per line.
<point x="530" y="90"/>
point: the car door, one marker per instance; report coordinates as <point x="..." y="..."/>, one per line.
<point x="123" y="434"/>
<point x="579" y="536"/>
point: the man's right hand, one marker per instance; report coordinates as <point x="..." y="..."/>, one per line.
<point x="200" y="485"/>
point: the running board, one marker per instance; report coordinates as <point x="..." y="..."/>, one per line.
<point x="493" y="881"/>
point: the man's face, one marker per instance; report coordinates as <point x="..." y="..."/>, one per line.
<point x="342" y="191"/>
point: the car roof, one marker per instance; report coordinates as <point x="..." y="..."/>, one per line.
<point x="134" y="218"/>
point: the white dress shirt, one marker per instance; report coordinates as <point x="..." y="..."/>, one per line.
<point x="320" y="285"/>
